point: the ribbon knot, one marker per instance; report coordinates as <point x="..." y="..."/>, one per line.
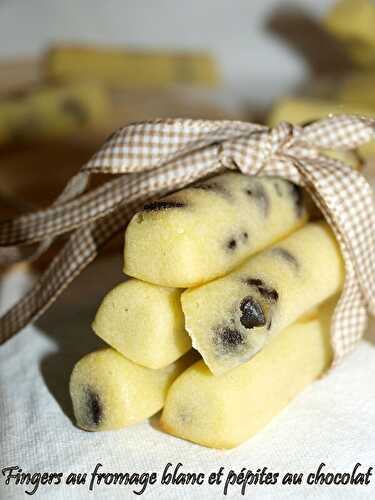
<point x="283" y="136"/>
<point x="159" y="157"/>
<point x="251" y="152"/>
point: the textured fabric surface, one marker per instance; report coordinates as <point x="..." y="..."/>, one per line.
<point x="37" y="433"/>
<point x="164" y="155"/>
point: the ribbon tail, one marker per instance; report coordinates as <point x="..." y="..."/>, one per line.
<point x="58" y="219"/>
<point x="75" y="187"/>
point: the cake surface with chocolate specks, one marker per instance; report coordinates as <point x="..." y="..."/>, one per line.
<point x="206" y="230"/>
<point x="231" y="318"/>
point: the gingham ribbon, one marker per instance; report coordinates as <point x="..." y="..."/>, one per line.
<point x="158" y="157"/>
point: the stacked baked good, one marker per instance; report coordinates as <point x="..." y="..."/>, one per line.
<point x="232" y="267"/>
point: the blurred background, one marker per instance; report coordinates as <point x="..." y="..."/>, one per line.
<point x="253" y="63"/>
<point x="73" y="71"/>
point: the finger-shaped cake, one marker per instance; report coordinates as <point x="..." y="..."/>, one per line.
<point x="144" y="322"/>
<point x="223" y="411"/>
<point x="231" y="318"/>
<point x="109" y="391"/>
<point x="204" y="231"/>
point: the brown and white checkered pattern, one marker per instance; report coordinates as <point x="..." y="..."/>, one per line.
<point x="158" y="157"/>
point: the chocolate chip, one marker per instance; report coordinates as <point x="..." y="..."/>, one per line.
<point x="254" y="282"/>
<point x="252" y="313"/>
<point x="155" y="206"/>
<point x="73" y="107"/>
<point x="298" y="199"/>
<point x="286" y="255"/>
<point x="228" y="338"/>
<point x="269" y="293"/>
<point x="265" y="291"/>
<point x="232" y="244"/>
<point x="94" y="406"/>
<point x="259" y="194"/>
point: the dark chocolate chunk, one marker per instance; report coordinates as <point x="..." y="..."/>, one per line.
<point x="254" y="282"/>
<point x="259" y="194"/>
<point x="232" y="244"/>
<point x="73" y="107"/>
<point x="298" y="199"/>
<point x="252" y="313"/>
<point x="265" y="291"/>
<point x="155" y="206"/>
<point x="228" y="338"/>
<point x="94" y="406"/>
<point x="233" y="241"/>
<point x="286" y="255"/>
<point x="29" y="126"/>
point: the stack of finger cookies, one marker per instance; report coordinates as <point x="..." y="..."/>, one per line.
<point x="224" y="317"/>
